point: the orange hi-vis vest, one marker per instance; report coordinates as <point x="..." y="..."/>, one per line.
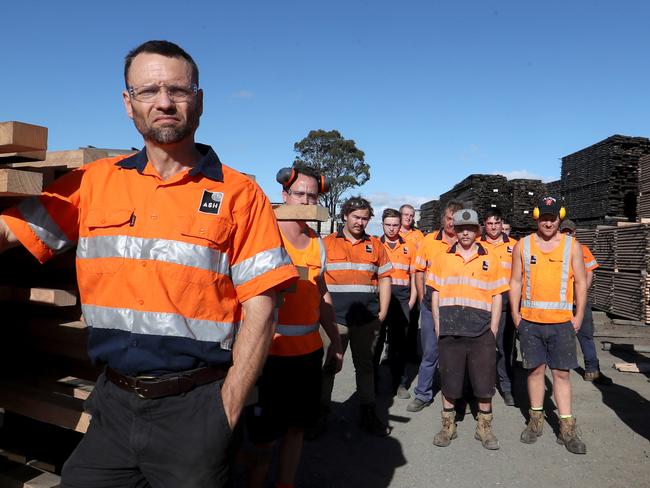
<point x="503" y="249"/>
<point x="432" y="245"/>
<point x="402" y="258"/>
<point x="163" y="266"/>
<point x="413" y="237"/>
<point x="297" y="330"/>
<point x="547" y="289"/>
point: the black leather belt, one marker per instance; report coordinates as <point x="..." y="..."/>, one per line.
<point x="166" y="385"/>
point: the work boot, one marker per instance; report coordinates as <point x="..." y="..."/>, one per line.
<point x="533" y="428"/>
<point x="370" y="423"/>
<point x="484" y="431"/>
<point x="597" y="377"/>
<point x="569" y="436"/>
<point x="448" y="431"/>
<point x="508" y="399"/>
<point x="416" y="405"/>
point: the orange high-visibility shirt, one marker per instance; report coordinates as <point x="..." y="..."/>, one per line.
<point x="432" y="245"/>
<point x="503" y="248"/>
<point x="590" y="261"/>
<point x="402" y="257"/>
<point x="297" y="330"/>
<point x="413" y="237"/>
<point x="466" y="289"/>
<point x="547" y="287"/>
<point x="352" y="275"/>
<point x="163" y="267"/>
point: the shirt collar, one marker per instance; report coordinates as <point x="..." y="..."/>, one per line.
<point x="400" y="239"/>
<point x="209" y="165"/>
<point x="481" y="251"/>
<point x="503" y="234"/>
<point x="340" y="234"/>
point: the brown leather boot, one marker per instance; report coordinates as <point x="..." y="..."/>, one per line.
<point x="484" y="431"/>
<point x="448" y="431"/>
<point x="569" y="436"/>
<point x="533" y="428"/>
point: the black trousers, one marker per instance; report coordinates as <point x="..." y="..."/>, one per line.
<point x="176" y="441"/>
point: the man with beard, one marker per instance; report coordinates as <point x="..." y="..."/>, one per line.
<point x="548" y="275"/>
<point x="178" y="260"/>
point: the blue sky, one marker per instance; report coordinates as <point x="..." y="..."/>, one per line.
<point x="432" y="91"/>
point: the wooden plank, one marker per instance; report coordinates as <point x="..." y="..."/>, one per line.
<point x="43" y="405"/>
<point x="22" y="137"/>
<point x="632" y="367"/>
<point x="17" y="475"/>
<point x="22" y="157"/>
<point x="70" y="159"/>
<point x="301" y="212"/>
<point x="15" y="183"/>
<point x="76" y="387"/>
<point x="43" y="296"/>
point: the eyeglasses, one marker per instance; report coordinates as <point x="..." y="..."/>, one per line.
<point x="148" y="93"/>
<point x="311" y="197"/>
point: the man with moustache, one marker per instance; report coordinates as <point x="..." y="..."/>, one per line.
<point x="178" y="260"/>
<point x="548" y="275"/>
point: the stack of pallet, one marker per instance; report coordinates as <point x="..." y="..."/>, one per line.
<point x="643" y="201"/>
<point x="621" y="285"/>
<point x="429" y="216"/>
<point x="554" y="189"/>
<point x="45" y="373"/>
<point x="600" y="183"/>
<point x="482" y="192"/>
<point x="525" y="196"/>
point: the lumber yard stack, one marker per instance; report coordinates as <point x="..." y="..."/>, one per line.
<point x="600" y="183"/>
<point x="481" y="192"/>
<point x="643" y="201"/>
<point x="621" y="285"/>
<point x="429" y="216"/>
<point x="45" y="373"/>
<point x="525" y="196"/>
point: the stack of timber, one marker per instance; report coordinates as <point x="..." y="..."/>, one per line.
<point x="429" y="216"/>
<point x="600" y="183"/>
<point x="643" y="201"/>
<point x="43" y="339"/>
<point x="555" y="189"/>
<point x="525" y="196"/>
<point x="482" y="192"/>
<point x="621" y="285"/>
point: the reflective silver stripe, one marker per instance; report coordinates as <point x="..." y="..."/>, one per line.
<point x="323" y="256"/>
<point x="295" y="330"/>
<point x="40" y="222"/>
<point x="430" y="277"/>
<point x="465" y="302"/>
<point x="352" y="288"/>
<point x="160" y="324"/>
<point x="396" y="281"/>
<point x="526" y="242"/>
<point x="467" y="281"/>
<point x="404" y="267"/>
<point x="262" y="262"/>
<point x="547" y="305"/>
<point x="351" y="267"/>
<point x="420" y="262"/>
<point x="591" y="264"/>
<point x="566" y="262"/>
<point x="385" y="268"/>
<point x="506" y="264"/>
<point x="163" y="250"/>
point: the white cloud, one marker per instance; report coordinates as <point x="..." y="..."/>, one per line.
<point x="383" y="200"/>
<point x="523" y="173"/>
<point x="243" y="94"/>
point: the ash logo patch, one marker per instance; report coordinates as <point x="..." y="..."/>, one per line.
<point x="406" y="250"/>
<point x="509" y="249"/>
<point x="211" y="202"/>
<point x="369" y="248"/>
<point x="533" y="260"/>
<point x="486" y="265"/>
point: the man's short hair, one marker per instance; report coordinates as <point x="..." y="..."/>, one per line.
<point x="355" y="203"/>
<point x="406" y="205"/>
<point x="390" y="212"/>
<point x="454" y="206"/>
<point x="307" y="170"/>
<point x="164" y="48"/>
<point x="493" y="212"/>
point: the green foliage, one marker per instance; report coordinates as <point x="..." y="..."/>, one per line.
<point x="335" y="157"/>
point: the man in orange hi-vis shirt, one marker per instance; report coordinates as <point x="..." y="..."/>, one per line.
<point x="290" y="386"/>
<point x="178" y="260"/>
<point x="358" y="276"/>
<point x="586" y="333"/>
<point x="548" y="272"/>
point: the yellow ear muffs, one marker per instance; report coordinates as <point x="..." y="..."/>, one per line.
<point x="562" y="213"/>
<point x="536" y="213"/>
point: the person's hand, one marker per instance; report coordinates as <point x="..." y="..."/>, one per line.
<point x="516" y="320"/>
<point x="411" y="303"/>
<point x="381" y="316"/>
<point x="335" y="357"/>
<point x="577" y="323"/>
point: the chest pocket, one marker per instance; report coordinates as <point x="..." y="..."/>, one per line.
<point x="106" y="245"/>
<point x="337" y="252"/>
<point x="201" y="249"/>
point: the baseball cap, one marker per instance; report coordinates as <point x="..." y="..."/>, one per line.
<point x="466" y="216"/>
<point x="568" y="224"/>
<point x="549" y="206"/>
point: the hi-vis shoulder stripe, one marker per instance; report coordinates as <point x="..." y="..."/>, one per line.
<point x="160" y="324"/>
<point x="257" y="265"/>
<point x="467" y="281"/>
<point x="323" y="256"/>
<point x="43" y="226"/>
<point x="351" y="267"/>
<point x="591" y="264"/>
<point x="385" y="268"/>
<point x="465" y="302"/>
<point x="352" y="289"/>
<point x="420" y="261"/>
<point x="295" y="330"/>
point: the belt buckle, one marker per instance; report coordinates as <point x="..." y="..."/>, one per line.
<point x="136" y="389"/>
